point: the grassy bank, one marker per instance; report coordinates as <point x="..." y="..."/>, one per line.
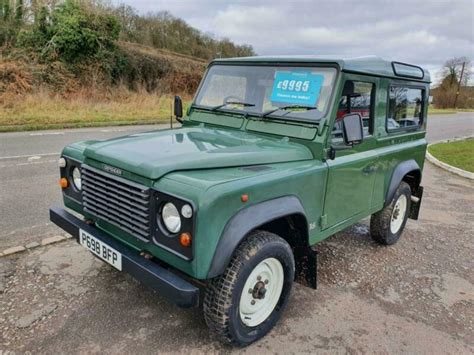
<point x="46" y="111"/>
<point x="459" y="154"/>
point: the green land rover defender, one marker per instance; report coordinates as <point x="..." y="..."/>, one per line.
<point x="274" y="155"/>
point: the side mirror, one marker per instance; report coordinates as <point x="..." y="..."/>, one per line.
<point x="178" y="108"/>
<point x="352" y="129"/>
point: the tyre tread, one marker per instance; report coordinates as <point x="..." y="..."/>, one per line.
<point x="218" y="296"/>
<point x="380" y="221"/>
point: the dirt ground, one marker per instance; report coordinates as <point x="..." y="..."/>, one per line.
<point x="414" y="297"/>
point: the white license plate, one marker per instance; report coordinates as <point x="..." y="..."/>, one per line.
<point x="102" y="250"/>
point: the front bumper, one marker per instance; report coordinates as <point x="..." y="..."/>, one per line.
<point x="169" y="285"/>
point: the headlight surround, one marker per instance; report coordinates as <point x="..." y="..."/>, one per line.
<point x="170" y="226"/>
<point x="77" y="178"/>
<point x="171" y="218"/>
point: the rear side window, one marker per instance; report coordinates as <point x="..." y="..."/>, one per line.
<point x="405" y="108"/>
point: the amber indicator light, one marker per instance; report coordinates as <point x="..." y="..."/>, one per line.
<point x="244" y="198"/>
<point x="185" y="239"/>
<point x="63" y="183"/>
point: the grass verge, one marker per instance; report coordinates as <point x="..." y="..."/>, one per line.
<point x="446" y="111"/>
<point x="46" y="111"/>
<point x="459" y="154"/>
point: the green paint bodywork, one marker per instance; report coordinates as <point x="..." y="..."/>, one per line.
<point x="204" y="162"/>
<point x="155" y="154"/>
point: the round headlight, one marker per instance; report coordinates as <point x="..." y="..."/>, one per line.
<point x="187" y="211"/>
<point x="62" y="162"/>
<point x="76" y="178"/>
<point x="171" y="218"/>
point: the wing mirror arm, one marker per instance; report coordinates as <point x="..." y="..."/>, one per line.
<point x="178" y="109"/>
<point x="332" y="151"/>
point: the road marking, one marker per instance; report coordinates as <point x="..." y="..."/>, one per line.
<point x="39" y="134"/>
<point x="28" y="156"/>
<point x="101" y="130"/>
<point x="37" y="162"/>
<point x="47" y="134"/>
<point x="114" y="130"/>
<point x="29" y="163"/>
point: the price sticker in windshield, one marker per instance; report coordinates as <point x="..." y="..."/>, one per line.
<point x="301" y="88"/>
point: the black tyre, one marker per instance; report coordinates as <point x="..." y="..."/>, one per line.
<point x="244" y="303"/>
<point x="387" y="225"/>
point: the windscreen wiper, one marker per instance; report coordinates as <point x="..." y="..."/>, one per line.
<point x="245" y="104"/>
<point x="288" y="108"/>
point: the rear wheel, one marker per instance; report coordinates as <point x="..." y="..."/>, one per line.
<point x="387" y="225"/>
<point x="244" y="303"/>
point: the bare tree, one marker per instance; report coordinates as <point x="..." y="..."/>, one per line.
<point x="453" y="90"/>
<point x="452" y="71"/>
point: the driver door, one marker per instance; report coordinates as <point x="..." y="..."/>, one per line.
<point x="351" y="175"/>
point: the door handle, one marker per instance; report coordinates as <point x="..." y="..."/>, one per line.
<point x="369" y="169"/>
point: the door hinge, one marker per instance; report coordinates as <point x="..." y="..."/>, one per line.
<point x="329" y="153"/>
<point x="323" y="221"/>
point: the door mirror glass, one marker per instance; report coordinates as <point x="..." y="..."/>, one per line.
<point x="352" y="129"/>
<point x="178" y="107"/>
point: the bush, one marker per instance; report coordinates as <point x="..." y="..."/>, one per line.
<point x="11" y="19"/>
<point x="141" y="68"/>
<point x="14" y="78"/>
<point x="165" y="31"/>
<point x="72" y="33"/>
<point x="68" y="44"/>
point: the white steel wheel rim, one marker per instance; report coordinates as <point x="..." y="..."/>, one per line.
<point x="398" y="214"/>
<point x="253" y="309"/>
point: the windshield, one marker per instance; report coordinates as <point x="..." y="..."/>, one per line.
<point x="299" y="93"/>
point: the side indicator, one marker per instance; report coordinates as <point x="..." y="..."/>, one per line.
<point x="63" y="183"/>
<point x="244" y="198"/>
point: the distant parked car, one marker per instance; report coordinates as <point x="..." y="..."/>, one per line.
<point x="408" y="123"/>
<point x="392" y="124"/>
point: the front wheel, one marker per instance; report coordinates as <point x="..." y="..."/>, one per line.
<point x="244" y="303"/>
<point x="387" y="225"/>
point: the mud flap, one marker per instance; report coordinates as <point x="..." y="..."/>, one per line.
<point x="416" y="203"/>
<point x="306" y="264"/>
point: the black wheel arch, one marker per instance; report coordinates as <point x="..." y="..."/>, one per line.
<point x="408" y="171"/>
<point x="283" y="214"/>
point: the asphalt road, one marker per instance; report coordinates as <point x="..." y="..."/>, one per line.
<point x="29" y="178"/>
<point x="29" y="174"/>
<point x="450" y="126"/>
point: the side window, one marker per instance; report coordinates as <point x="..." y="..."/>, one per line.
<point x="404" y="108"/>
<point x="357" y="97"/>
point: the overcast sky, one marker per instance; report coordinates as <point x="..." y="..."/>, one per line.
<point x="426" y="32"/>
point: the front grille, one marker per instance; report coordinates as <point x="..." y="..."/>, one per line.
<point x="115" y="200"/>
